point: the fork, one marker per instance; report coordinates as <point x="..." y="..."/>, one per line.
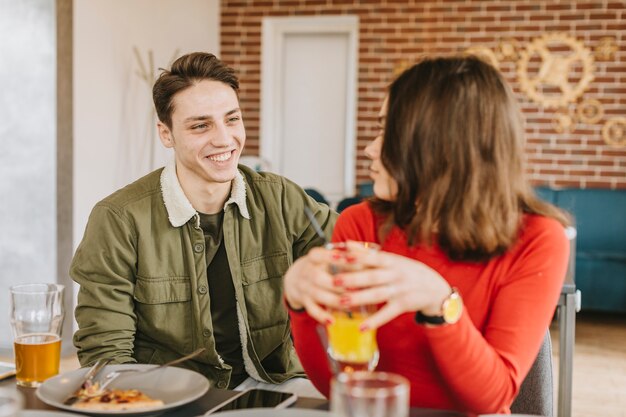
<point x="113" y="375"/>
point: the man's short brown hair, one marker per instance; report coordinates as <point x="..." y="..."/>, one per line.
<point x="186" y="71"/>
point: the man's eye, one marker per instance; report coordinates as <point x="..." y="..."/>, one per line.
<point x="200" y="126"/>
<point x="233" y="119"/>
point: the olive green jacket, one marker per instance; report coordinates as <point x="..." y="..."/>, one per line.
<point x="143" y="282"/>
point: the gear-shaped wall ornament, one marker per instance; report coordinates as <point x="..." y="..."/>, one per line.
<point x="555" y="70"/>
<point x="485" y="54"/>
<point x="508" y="49"/>
<point x="590" y="111"/>
<point x="614" y="131"/>
<point x="605" y="51"/>
<point x="564" y="121"/>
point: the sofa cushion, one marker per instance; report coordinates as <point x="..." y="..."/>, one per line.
<point x="600" y="217"/>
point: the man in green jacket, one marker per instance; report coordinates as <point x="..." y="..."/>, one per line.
<point x="193" y="255"/>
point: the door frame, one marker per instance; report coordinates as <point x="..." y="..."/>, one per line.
<point x="274" y="31"/>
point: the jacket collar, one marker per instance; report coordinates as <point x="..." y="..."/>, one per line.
<point x="180" y="210"/>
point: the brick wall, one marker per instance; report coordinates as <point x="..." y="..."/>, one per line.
<point x="394" y="34"/>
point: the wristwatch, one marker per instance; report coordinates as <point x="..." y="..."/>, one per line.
<point x="451" y="310"/>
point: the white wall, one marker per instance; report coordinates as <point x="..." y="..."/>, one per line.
<point x="113" y="110"/>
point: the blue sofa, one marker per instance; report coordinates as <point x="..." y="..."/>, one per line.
<point x="599" y="216"/>
<point x="600" y="219"/>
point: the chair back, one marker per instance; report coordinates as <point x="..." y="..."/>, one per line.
<point x="316" y="195"/>
<point x="347" y="202"/>
<point x="536" y="395"/>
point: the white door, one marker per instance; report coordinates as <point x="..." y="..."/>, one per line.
<point x="308" y="101"/>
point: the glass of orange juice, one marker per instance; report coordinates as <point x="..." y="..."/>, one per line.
<point x="36" y="320"/>
<point x="350" y="348"/>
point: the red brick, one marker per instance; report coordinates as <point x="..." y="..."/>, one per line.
<point x="568" y="184"/>
<point x="597" y="184"/>
<point x="590" y="5"/>
<point x="583" y="27"/>
<point x="603" y="16"/>
<point x="551" y="7"/>
<point x="572" y="16"/>
<point x="465" y="8"/>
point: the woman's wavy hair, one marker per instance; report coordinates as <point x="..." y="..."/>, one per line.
<point x="454" y="143"/>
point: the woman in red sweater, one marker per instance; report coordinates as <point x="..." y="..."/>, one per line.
<point x="472" y="262"/>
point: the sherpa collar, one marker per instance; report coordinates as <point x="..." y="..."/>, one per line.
<point x="180" y="210"/>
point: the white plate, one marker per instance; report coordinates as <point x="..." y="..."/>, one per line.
<point x="272" y="412"/>
<point x="175" y="386"/>
<point x="46" y="413"/>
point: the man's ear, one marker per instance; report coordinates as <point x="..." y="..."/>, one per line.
<point x="167" y="139"/>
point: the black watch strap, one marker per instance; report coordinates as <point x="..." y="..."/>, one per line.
<point x="422" y="318"/>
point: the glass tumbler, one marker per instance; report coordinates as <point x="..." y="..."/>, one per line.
<point x="36" y="320"/>
<point x="369" y="394"/>
<point x="349" y="347"/>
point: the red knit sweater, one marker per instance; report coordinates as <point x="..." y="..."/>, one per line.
<point x="477" y="364"/>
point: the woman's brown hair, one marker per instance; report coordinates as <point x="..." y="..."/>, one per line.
<point x="454" y="143"/>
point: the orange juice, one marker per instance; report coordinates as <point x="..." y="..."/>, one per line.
<point x="349" y="347"/>
<point x="37" y="357"/>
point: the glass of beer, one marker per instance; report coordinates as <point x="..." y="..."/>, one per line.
<point x="36" y="320"/>
<point x="349" y="347"/>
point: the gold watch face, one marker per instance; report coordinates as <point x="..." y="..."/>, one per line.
<point x="453" y="308"/>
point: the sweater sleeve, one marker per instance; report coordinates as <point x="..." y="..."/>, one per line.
<point x="310" y="350"/>
<point x="497" y="361"/>
<point x="355" y="223"/>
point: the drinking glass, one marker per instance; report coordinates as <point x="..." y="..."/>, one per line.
<point x="350" y="348"/>
<point x="36" y="320"/>
<point x="369" y="394"/>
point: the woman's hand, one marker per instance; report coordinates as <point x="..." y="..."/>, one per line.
<point x="309" y="285"/>
<point x="400" y="283"/>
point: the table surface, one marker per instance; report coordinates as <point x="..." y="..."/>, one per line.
<point x="212" y="398"/>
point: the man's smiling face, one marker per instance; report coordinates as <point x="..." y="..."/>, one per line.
<point x="207" y="133"/>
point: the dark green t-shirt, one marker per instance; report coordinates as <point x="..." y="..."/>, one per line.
<point x="223" y="300"/>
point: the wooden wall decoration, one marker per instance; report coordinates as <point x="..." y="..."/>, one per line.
<point x="554" y="70"/>
<point x="564" y="121"/>
<point x="605" y="51"/>
<point x="614" y="131"/>
<point x="548" y="76"/>
<point x="590" y="111"/>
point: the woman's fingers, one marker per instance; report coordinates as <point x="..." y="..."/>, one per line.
<point x="365" y="278"/>
<point x="373" y="258"/>
<point x="369" y="295"/>
<point x="386" y="313"/>
<point x="318" y="313"/>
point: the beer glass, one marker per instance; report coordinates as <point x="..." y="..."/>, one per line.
<point x="369" y="394"/>
<point x="349" y="347"/>
<point x="36" y="320"/>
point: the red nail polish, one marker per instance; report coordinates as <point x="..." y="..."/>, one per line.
<point x="344" y="300"/>
<point x="363" y="328"/>
<point x="350" y="259"/>
<point x="338" y="282"/>
<point x="328" y="322"/>
<point x="336" y="256"/>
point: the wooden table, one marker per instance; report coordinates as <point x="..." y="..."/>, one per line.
<point x="212" y="398"/>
